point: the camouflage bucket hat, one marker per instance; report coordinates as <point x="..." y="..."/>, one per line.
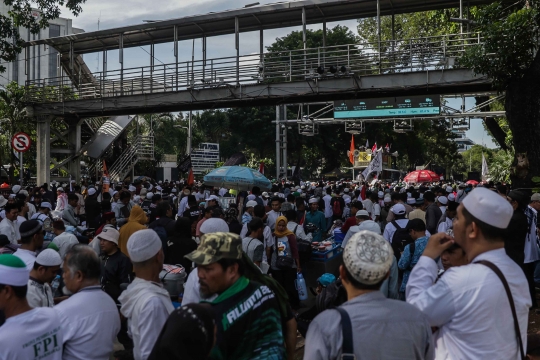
<point x="217" y="246"/>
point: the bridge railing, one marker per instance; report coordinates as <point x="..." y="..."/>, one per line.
<point x="395" y="56"/>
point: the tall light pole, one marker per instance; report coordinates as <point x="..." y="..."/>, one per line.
<point x="188" y="149"/>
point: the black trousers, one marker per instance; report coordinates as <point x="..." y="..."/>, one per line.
<point x="528" y="269"/>
<point x="286" y="279"/>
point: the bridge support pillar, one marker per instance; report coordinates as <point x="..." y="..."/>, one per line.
<point x="281" y="142"/>
<point x="74" y="137"/>
<point x="43" y="150"/>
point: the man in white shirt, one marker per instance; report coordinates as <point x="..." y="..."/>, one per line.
<point x="27" y="333"/>
<point x="442" y="201"/>
<point x="89" y="318"/>
<point x="64" y="240"/>
<point x="8" y="224"/>
<point x="399" y="217"/>
<point x="368" y="206"/>
<point x="363" y="222"/>
<point x="31" y="241"/>
<point x="145" y="303"/>
<point x="462" y="302"/>
<point x="328" y="208"/>
<point x="42" y="274"/>
<point x="273" y="214"/>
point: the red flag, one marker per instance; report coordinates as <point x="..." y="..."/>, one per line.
<point x="351" y="150"/>
<point x="374" y="148"/>
<point x="261" y="167"/>
<point x="190" y="178"/>
<point x="363" y="192"/>
<point x="105" y="171"/>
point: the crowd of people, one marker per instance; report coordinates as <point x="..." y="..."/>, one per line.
<point x="429" y="271"/>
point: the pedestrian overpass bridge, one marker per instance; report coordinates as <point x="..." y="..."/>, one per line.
<point x="428" y="65"/>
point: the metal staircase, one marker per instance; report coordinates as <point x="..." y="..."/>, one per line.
<point x="142" y="148"/>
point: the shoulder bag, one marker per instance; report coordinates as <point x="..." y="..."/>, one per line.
<point x="499" y="273"/>
<point x="347" y="347"/>
<point x="283" y="262"/>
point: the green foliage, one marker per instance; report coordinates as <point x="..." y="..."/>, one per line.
<point x="500" y="165"/>
<point x="20" y="15"/>
<point x="510" y="41"/>
<point x="339" y="35"/>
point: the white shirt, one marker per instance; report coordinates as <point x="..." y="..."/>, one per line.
<point x="531" y="248"/>
<point x="199" y="196"/>
<point x="35" y="332"/>
<point x="29" y="257"/>
<point x="182" y="206"/>
<point x="299" y="232"/>
<point x="39" y="294"/>
<point x="65" y="241"/>
<point x="368" y="206"/>
<point x="20" y="220"/>
<point x="8" y="228"/>
<point x="443" y="208"/>
<point x="364" y="225"/>
<point x="222" y="192"/>
<point x="271" y="218"/>
<point x="376" y="211"/>
<point x="31" y="210"/>
<point x="445" y="225"/>
<point x="327" y="208"/>
<point x="390" y="229"/>
<point x="470" y="307"/>
<point x="90" y="322"/>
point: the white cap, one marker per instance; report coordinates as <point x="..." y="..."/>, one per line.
<point x="160" y="182"/>
<point x="132" y="188"/>
<point x="313" y="201"/>
<point x="449" y="189"/>
<point x="443" y="200"/>
<point x="265" y="194"/>
<point x="361" y="213"/>
<point x="91" y="191"/>
<point x="109" y="234"/>
<point x="387" y="199"/>
<point x="143" y="245"/>
<point x="451" y="197"/>
<point x="346" y="190"/>
<point x="174" y="190"/>
<point x="45" y="204"/>
<point x="212" y="197"/>
<point x="488" y="207"/>
<point x="398" y="209"/>
<point x="149" y="195"/>
<point x="250" y="203"/>
<point x="49" y="257"/>
<point x="411" y="201"/>
<point x="60" y="189"/>
<point x="368" y="257"/>
<point x="251" y="197"/>
<point x="157" y="187"/>
<point x="214" y="225"/>
<point x="380" y="194"/>
<point x="16" y="188"/>
<point x="136" y="198"/>
<point x="73" y="181"/>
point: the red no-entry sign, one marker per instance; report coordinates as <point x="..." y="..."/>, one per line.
<point x="21" y="142"/>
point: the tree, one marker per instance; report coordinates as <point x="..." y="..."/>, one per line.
<point x="509" y="56"/>
<point x="21" y="15"/>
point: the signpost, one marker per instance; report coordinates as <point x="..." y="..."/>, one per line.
<point x="387" y="107"/>
<point x="21" y="142"/>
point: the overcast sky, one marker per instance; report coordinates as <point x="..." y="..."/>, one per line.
<point x="117" y="13"/>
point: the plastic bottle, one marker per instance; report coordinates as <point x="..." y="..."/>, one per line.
<point x="301" y="287"/>
<point x="55" y="284"/>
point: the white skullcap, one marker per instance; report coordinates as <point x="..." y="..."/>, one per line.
<point x="346" y="190"/>
<point x="214" y="225"/>
<point x="399" y="209"/>
<point x="12" y="196"/>
<point x="489" y="207"/>
<point x="361" y="213"/>
<point x="91" y="191"/>
<point x="451" y="197"/>
<point x="45" y="204"/>
<point x="136" y="198"/>
<point x="60" y="189"/>
<point x="16" y="188"/>
<point x="132" y="188"/>
<point x="250" y="203"/>
<point x="387" y="199"/>
<point x="368" y="257"/>
<point x="173" y="190"/>
<point x="159" y="188"/>
<point x="411" y="201"/>
<point x="402" y="190"/>
<point x="251" y="197"/>
<point x="143" y="245"/>
<point x="449" y="189"/>
<point x="49" y="257"/>
<point x="149" y="195"/>
<point x="313" y="201"/>
<point x="13" y="271"/>
<point x="380" y="194"/>
<point x="443" y="200"/>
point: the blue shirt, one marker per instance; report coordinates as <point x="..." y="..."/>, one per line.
<point x="407" y="261"/>
<point x="317" y="219"/>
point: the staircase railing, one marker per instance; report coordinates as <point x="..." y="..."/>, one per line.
<point x="141" y="149"/>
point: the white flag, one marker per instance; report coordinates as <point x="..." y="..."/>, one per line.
<point x="367" y="144"/>
<point x="374" y="165"/>
<point x="485" y="170"/>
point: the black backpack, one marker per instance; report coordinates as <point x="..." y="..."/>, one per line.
<point x="400" y="239"/>
<point x="331" y="296"/>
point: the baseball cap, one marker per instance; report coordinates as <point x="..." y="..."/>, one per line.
<point x="368" y="257"/>
<point x="109" y="234"/>
<point x="217" y="246"/>
<point x="326" y="279"/>
<point x="398" y="209"/>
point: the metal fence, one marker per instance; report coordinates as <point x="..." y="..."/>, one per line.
<point x="396" y="56"/>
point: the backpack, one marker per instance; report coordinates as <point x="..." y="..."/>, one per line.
<point x="336" y="208"/>
<point x="400" y="239"/>
<point x="331" y="296"/>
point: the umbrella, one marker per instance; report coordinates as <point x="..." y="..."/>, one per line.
<point x="472" y="182"/>
<point x="237" y="177"/>
<point x="419" y="176"/>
